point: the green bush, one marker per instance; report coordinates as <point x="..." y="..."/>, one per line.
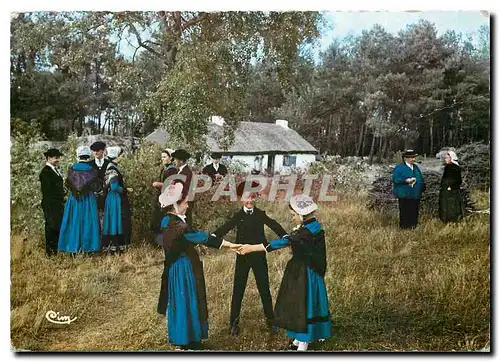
<point x="140" y="169"/>
<point x="26" y="162"/>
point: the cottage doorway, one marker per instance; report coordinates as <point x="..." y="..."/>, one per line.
<point x="270" y="164"/>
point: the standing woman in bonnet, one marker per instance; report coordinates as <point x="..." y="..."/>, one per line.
<point x="302" y="302"/>
<point x="183" y="297"/>
<point x="450" y="199"/>
<point x="80" y="223"/>
<point x="117" y="223"/>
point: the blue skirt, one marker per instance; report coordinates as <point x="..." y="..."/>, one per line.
<point x="112" y="220"/>
<point x="183" y="320"/>
<point x="80" y="225"/>
<point x="317" y="306"/>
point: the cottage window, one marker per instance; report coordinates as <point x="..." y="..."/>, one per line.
<point x="289" y="160"/>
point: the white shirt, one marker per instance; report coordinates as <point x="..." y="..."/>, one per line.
<point x="410" y="166"/>
<point x="99" y="162"/>
<point x="247" y="210"/>
<point x="216" y="167"/>
<point x="181" y="168"/>
<point x="54" y="169"/>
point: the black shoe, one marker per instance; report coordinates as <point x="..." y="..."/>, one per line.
<point x="234" y="330"/>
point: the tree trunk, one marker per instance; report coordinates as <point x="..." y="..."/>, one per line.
<point x="360" y="141"/>
<point x="431" y="149"/>
<point x="384" y="149"/>
<point x="363" y="146"/>
<point x="80" y="124"/>
<point x="372" y="149"/>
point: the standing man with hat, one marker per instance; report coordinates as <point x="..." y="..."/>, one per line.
<point x="53" y="193"/>
<point x="408" y="187"/>
<point x="100" y="163"/>
<point x="180" y="158"/>
<point x="215" y="170"/>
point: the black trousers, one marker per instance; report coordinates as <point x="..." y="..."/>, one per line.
<point x="258" y="263"/>
<point x="53" y="220"/>
<point x="408" y="213"/>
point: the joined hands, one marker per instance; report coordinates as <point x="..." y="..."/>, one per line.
<point x="243" y="249"/>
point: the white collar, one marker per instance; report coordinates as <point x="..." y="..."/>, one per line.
<point x="182" y="167"/>
<point x="216" y="166"/>
<point x="182" y="217"/>
<point x="247" y="209"/>
<point x="53" y="168"/>
<point x="99" y="161"/>
<point x="410" y="166"/>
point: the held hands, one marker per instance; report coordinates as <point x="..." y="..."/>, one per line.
<point x="231" y="246"/>
<point x="242" y="249"/>
<point x="245" y="249"/>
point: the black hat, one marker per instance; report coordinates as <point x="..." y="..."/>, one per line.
<point x="52" y="152"/>
<point x="241" y="187"/>
<point x="98" y="146"/>
<point x="410" y="153"/>
<point x="181" y="155"/>
<point x="216" y="155"/>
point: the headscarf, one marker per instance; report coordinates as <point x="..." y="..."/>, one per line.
<point x="454" y="158"/>
<point x="114" y="152"/>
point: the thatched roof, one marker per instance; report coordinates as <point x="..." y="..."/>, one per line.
<point x="251" y="138"/>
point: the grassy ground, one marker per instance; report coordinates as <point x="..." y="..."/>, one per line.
<point x="388" y="289"/>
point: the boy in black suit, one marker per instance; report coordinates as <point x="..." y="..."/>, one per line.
<point x="250" y="222"/>
<point x="53" y="193"/>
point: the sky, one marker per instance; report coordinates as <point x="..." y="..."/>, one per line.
<point x="353" y="22"/>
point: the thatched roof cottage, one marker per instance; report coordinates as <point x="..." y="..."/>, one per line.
<point x="273" y="147"/>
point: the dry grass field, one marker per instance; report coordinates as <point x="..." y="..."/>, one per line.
<point x="427" y="289"/>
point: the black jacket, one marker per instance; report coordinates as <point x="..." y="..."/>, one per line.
<point x="210" y="170"/>
<point x="451" y="177"/>
<point x="101" y="171"/>
<point x="250" y="228"/>
<point x="52" y="194"/>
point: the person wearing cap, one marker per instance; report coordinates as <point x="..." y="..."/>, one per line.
<point x="167" y="169"/>
<point x="100" y="163"/>
<point x="215" y="170"/>
<point x="249" y="222"/>
<point x="53" y="193"/>
<point x="408" y="185"/>
<point x="180" y="158"/>
<point x="117" y="220"/>
<point x="183" y="293"/>
<point x="302" y="302"/>
<point x="80" y="223"/>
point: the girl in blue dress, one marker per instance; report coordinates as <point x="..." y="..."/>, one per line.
<point x="183" y="293"/>
<point x="302" y="303"/>
<point x="80" y="223"/>
<point x="117" y="220"/>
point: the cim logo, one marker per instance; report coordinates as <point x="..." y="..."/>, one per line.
<point x="54" y="317"/>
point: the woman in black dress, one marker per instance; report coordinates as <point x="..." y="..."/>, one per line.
<point x="450" y="199"/>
